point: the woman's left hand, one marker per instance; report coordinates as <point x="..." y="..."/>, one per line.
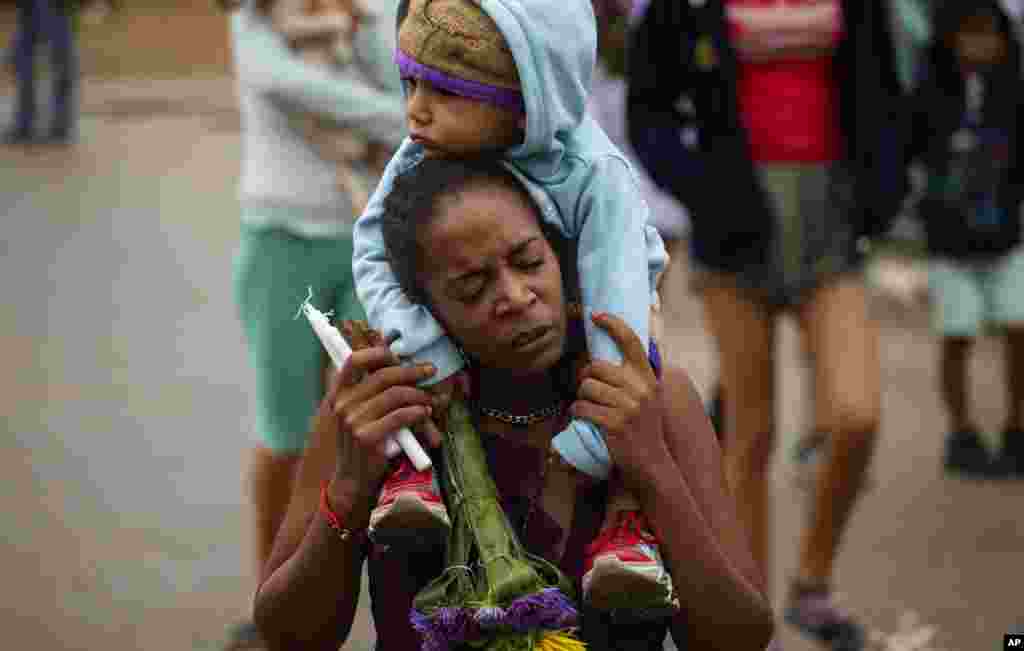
<point x="625" y="402"/>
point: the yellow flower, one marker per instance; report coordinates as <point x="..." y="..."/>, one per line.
<point x="559" y="641"/>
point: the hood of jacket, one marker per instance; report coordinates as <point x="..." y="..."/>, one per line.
<point x="554" y="43"/>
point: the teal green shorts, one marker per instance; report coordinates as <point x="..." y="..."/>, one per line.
<point x="970" y="297"/>
<point x="273" y="272"/>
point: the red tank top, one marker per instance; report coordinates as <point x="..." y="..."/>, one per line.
<point x="787" y="101"/>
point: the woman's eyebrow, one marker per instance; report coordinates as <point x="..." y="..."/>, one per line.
<point x="522" y="246"/>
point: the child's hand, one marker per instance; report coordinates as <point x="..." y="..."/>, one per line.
<point x="453" y="387"/>
<point x="624" y="400"/>
<point x="443" y="392"/>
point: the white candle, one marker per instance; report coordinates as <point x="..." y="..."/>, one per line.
<point x="339" y="350"/>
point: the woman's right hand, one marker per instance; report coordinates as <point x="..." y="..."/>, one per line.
<point x="370" y="399"/>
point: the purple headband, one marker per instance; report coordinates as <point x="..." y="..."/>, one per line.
<point x="504" y="97"/>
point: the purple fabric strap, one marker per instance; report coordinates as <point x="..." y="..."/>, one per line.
<point x="504" y="97"/>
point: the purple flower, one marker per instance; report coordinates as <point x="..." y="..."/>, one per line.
<point x="547" y="610"/>
<point x="490" y="616"/>
<point x="432" y="641"/>
<point x="445" y="626"/>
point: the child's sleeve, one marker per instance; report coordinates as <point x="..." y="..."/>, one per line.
<point x="265" y="63"/>
<point x="618" y="253"/>
<point x="420" y="338"/>
<point x="657" y="259"/>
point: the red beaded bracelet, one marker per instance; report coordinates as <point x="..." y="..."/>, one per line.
<point x="334" y="521"/>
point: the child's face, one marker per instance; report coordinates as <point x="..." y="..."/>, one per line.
<point x="979" y="43"/>
<point x="449" y="125"/>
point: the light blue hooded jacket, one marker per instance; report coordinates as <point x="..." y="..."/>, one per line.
<point x="582" y="184"/>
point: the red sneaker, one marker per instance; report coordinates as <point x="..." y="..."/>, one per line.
<point x="409" y="509"/>
<point x="624" y="571"/>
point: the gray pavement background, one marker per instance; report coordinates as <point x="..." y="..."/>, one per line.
<point x="125" y="392"/>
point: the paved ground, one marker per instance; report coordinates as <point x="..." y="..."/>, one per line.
<point x="144" y="40"/>
<point x="125" y="397"/>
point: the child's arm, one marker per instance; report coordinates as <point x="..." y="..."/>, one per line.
<point x="618" y="253"/>
<point x="420" y="337"/>
<point x="618" y="257"/>
<point x="265" y="63"/>
<point x="657" y="261"/>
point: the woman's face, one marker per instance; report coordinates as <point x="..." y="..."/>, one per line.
<point x="494" y="280"/>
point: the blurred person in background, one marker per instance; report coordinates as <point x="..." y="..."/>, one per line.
<point x="296" y="232"/>
<point x="608" y="106"/>
<point x="49" y="21"/>
<point x="968" y="133"/>
<point x="778" y="125"/>
<point x="912" y="30"/>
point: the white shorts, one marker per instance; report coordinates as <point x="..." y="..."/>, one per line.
<point x="967" y="296"/>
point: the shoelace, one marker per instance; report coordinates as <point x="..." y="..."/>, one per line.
<point x="631" y="524"/>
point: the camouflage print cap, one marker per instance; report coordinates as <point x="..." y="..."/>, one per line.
<point x="454" y="44"/>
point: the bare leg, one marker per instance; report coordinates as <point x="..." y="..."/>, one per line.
<point x="845" y="342"/>
<point x="745" y="332"/>
<point x="955" y="352"/>
<point x="1015" y="376"/>
<point x="813" y="438"/>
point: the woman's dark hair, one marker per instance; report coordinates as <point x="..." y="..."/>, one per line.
<point x="414" y="201"/>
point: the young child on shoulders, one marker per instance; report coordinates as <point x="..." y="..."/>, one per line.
<point x="511" y="77"/>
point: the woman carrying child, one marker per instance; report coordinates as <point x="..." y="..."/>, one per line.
<point x="512" y="78"/>
<point x="443" y="217"/>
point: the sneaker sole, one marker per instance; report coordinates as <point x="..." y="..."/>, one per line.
<point x="646" y="588"/>
<point x="850" y="643"/>
<point x="409" y="519"/>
